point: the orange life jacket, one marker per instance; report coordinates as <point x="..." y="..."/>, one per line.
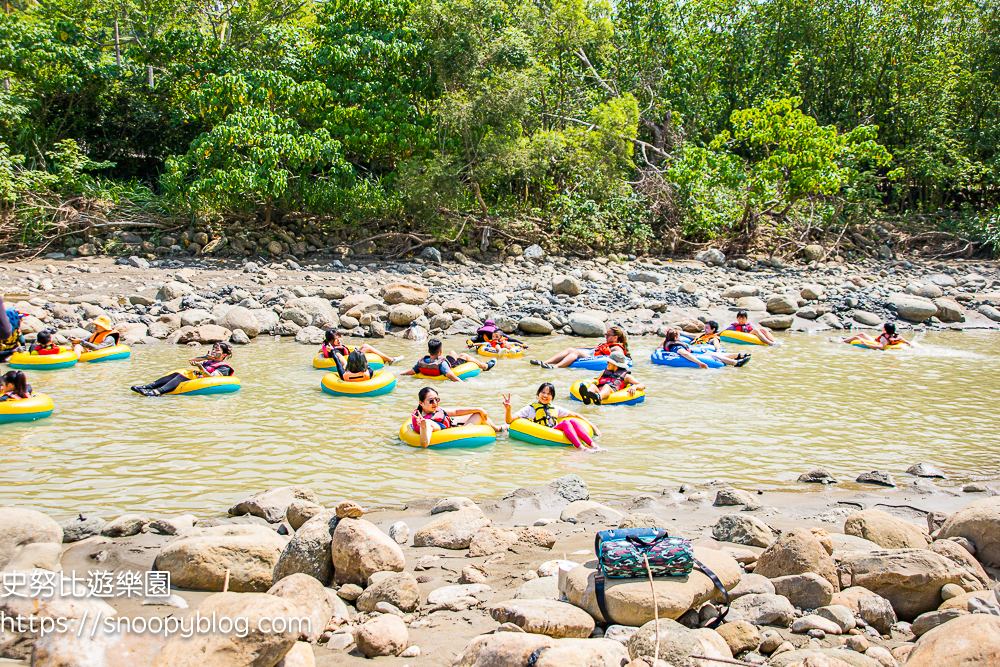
<point x="99" y="336"/>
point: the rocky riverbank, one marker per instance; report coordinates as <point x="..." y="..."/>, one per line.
<point x="887" y="577"/>
<point x="204" y="299"/>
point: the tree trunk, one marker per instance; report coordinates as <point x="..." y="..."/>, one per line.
<point x="149" y="74"/>
<point x="118" y="47"/>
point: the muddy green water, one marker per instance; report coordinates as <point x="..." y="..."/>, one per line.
<point x="807" y="403"/>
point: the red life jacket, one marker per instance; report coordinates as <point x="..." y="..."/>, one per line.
<point x="604" y="350"/>
<point x="438" y="416"/>
<point x="745" y="328"/>
<point x="212" y="366"/>
<point x="328" y="350"/>
<point x="51" y="348"/>
<point x="430" y="368"/>
<point x="615" y="379"/>
<point x="889" y="340"/>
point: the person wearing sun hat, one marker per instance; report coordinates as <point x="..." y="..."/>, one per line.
<point x="105" y="335"/>
<point x="615" y="378"/>
<point x="487" y="335"/>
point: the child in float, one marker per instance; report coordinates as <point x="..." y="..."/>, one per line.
<point x="710" y="338"/>
<point x="430" y="416"/>
<point x="43" y="344"/>
<point x="545" y="413"/>
<point x="743" y="324"/>
<point x="211" y="365"/>
<point x="437" y="363"/>
<point x="334" y="348"/>
<point x="105" y="335"/>
<point x="615" y="378"/>
<point x="357" y="367"/>
<point x="491" y="335"/>
<point x="614" y="339"/>
<point x="885" y="339"/>
<point x="15" y="386"/>
<point x="10" y="331"/>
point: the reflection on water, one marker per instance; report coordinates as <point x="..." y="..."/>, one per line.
<point x="807" y="403"/>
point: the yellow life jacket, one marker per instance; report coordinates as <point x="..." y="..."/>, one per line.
<point x="11" y="341"/>
<point x="544" y="415"/>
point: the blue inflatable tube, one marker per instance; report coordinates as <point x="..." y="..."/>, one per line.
<point x="677" y="361"/>
<point x="594" y="363"/>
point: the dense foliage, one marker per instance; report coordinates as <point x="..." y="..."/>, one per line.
<point x="638" y="123"/>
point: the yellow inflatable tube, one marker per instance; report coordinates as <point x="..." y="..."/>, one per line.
<point x="38" y="406"/>
<point x="43" y="362"/>
<point x="106" y="354"/>
<point x="463" y="371"/>
<point x="199" y="385"/>
<point x="487" y="350"/>
<point x="325" y="363"/>
<point x="479" y="435"/>
<point x="539" y="434"/>
<point x="740" y="337"/>
<point x="382" y="382"/>
<point x="867" y="344"/>
<point x="616" y="398"/>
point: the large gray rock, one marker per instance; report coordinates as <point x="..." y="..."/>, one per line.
<point x="545" y="617"/>
<point x="398" y="589"/>
<point x="505" y="649"/>
<point x="742" y="529"/>
<point x="762" y="609"/>
<point x="79" y="528"/>
<point x="452" y="530"/>
<point x="949" y="310"/>
<point x="324" y="315"/>
<point x="402" y="314"/>
<point x="978" y="522"/>
<point x="777" y="322"/>
<point x="712" y="257"/>
<point x="415" y="295"/>
<point x="535" y="325"/>
<point x="959" y="555"/>
<point x="240" y="318"/>
<point x="912" y="308"/>
<point x="359" y="550"/>
<point x="266" y="318"/>
<point x="311" y="600"/>
<point x="272" y="504"/>
<point x="740" y="291"/>
<point x="586" y="325"/>
<point x="782" y="304"/>
<point x="126" y="525"/>
<point x="200" y="558"/>
<point x="173" y="290"/>
<point x="226" y="649"/>
<point x="566" y="285"/>
<point x="806" y="591"/>
<point x="20" y="528"/>
<point x="308" y="552"/>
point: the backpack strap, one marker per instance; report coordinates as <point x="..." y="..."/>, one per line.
<point x="718" y="584"/>
<point x="599" y="593"/>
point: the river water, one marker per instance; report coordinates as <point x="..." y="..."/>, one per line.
<point x="805" y="404"/>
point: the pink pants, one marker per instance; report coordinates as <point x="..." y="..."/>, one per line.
<point x="574" y="431"/>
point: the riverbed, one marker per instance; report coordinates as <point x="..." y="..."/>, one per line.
<point x="807" y="403"/>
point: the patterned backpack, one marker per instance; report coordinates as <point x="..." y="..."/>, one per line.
<point x="623" y="554"/>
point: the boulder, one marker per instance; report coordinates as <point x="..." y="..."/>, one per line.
<point x="730" y="497"/>
<point x="751" y="304"/>
<point x="712" y="257"/>
<point x="740" y="291"/>
<point x="762" y="609"/>
<point x="309" y="598"/>
<point x="78" y="528"/>
<point x="535" y="325"/>
<point x="967" y="641"/>
<point x="199" y="559"/>
<point x="126" y="525"/>
<point x="885" y="530"/>
<point x="324" y="315"/>
<point x="224" y="647"/>
<point x="912" y="308"/>
<point x="796" y="552"/>
<point x="777" y="322"/>
<point x="676" y="644"/>
<point x="740" y="636"/>
<point x="359" y="549"/>
<point x="586" y="325"/>
<point x="742" y="529"/>
<point x="948" y="310"/>
<point x="542" y="588"/>
<point x="910" y="579"/>
<point x="926" y="622"/>
<point x="866" y="318"/>
<point x="383" y="635"/>
<point x="415" y="295"/>
<point x="926" y="470"/>
<point x="403" y="313"/>
<point x="629" y="601"/>
<point x="504" y="649"/>
<point x="806" y="591"/>
<point x="272" y="504"/>
<point x="750" y="584"/>
<point x="817" y="657"/>
<point x="587" y="511"/>
<point x="398" y="589"/>
<point x="492" y="540"/>
<point x="452" y="530"/>
<point x="813" y="252"/>
<point x="240" y="318"/>
<point x="173" y="290"/>
<point x="266" y="318"/>
<point x="978" y="522"/>
<point x="782" y="304"/>
<point x="545" y="617"/>
<point x="22" y="527"/>
<point x="977" y="577"/>
<point x="174" y="525"/>
<point x="308" y="552"/>
<point x="300" y="511"/>
<point x="566" y="285"/>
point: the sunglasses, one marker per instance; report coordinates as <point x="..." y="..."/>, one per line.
<point x="433" y="401"/>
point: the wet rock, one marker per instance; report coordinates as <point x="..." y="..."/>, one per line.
<point x="925" y="470"/>
<point x="752" y="584"/>
<point x="452" y="530"/>
<point x="125" y="526"/>
<point x="979" y="523"/>
<point x="398" y="589"/>
<point x="300" y="511"/>
<point x="399" y="532"/>
<point x="546" y="617"/>
<point x="308" y="552"/>
<point x="740" y="529"/>
<point x="452" y="504"/>
<point x="224" y="649"/>
<point x="587" y="511"/>
<point x="806" y="591"/>
<point x="796" y="552"/>
<point x="885" y="530"/>
<point x="272" y="504"/>
<point x="629" y="601"/>
<point x="199" y="560"/>
<point x="972" y="640"/>
<point x="492" y="540"/>
<point x="912" y="308"/>
<point x="79" y="528"/>
<point x="877" y="477"/>
<point x="817" y="476"/>
<point x="309" y="598"/>
<point x="240" y="318"/>
<point x="911" y="579"/>
<point x="359" y="549"/>
<point x="173" y="525"/>
<point x="977" y="577"/>
<point x="535" y="325"/>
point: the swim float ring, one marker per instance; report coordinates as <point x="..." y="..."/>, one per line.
<point x="479" y="435"/>
<point x="484" y="350"/>
<point x="38" y="406"/>
<point x="325" y="363"/>
<point x="199" y="385"/>
<point x="463" y="371"/>
<point x="382" y="382"/>
<point x="740" y="337"/>
<point x="540" y="434"/>
<point x="43" y="362"/>
<point x="112" y="353"/>
<point x="677" y="361"/>
<point x="869" y="345"/>
<point x="616" y="398"/>
<point x="594" y="362"/>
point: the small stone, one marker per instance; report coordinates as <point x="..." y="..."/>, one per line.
<point x="350" y="592"/>
<point x="399" y="532"/>
<point x="949" y="591"/>
<point x="769" y="641"/>
<point x="926" y="470"/>
<point x="815" y="622"/>
<point x="411" y="652"/>
<point x="349" y="509"/>
<point x="857" y="643"/>
<point x="877" y="477"/>
<point x="817" y="476"/>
